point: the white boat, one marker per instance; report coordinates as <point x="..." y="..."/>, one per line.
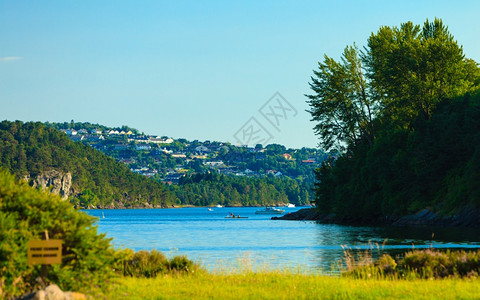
<point x="219" y="206"/>
<point x="269" y="211"/>
<point x="290" y="205"/>
<point x="209" y="209"/>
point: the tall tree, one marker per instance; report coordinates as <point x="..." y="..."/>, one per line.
<point x="341" y="103"/>
<point x="412" y="69"/>
<point x="420" y="94"/>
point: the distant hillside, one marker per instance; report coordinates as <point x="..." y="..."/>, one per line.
<point x="47" y="157"/>
<point x="207" y="172"/>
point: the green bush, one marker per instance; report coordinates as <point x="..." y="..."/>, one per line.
<point x="437" y="264"/>
<point x="181" y="264"/>
<point x="386" y="264"/>
<point x="428" y="264"/>
<point x="25" y="214"/>
<point x="146" y="264"/>
<point x="422" y="264"/>
<point x="151" y="264"/>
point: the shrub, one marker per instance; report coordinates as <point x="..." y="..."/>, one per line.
<point x="421" y="264"/>
<point x="145" y="264"/>
<point x="437" y="264"/>
<point x="25" y="214"/>
<point x="428" y="263"/>
<point x="151" y="264"/>
<point x="181" y="264"/>
<point x="386" y="264"/>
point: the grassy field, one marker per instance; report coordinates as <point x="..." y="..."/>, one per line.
<point x="288" y="285"/>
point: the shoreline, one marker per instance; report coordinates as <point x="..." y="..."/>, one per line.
<point x="467" y="217"/>
<point x="187" y="206"/>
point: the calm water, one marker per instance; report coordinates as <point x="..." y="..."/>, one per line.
<point x="206" y="236"/>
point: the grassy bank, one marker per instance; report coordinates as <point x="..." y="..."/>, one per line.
<point x="426" y="274"/>
<point x="279" y="285"/>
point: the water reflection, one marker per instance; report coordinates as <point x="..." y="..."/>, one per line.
<point x="334" y="240"/>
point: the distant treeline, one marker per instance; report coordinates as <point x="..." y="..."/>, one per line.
<point x="212" y="188"/>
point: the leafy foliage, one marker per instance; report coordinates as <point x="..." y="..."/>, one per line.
<point x="413" y="69"/>
<point x="342" y="104"/>
<point x="25" y="214"/>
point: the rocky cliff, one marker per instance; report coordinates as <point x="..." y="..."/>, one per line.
<point x="60" y="183"/>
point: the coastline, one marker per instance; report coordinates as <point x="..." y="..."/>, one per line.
<point x="466" y="217"/>
<point x="171" y="206"/>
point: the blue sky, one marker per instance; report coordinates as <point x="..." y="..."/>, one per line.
<point x="206" y="70"/>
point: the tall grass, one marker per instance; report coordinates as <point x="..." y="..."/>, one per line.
<point x="278" y="285"/>
<point x="363" y="278"/>
<point x="416" y="264"/>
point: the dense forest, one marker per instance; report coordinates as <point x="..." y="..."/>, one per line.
<point x="405" y="114"/>
<point x="211" y="188"/>
<point x="30" y="149"/>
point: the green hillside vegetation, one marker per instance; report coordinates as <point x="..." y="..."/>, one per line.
<point x="29" y="149"/>
<point x="211" y="188"/>
<point x="98" y="181"/>
<point x="201" y="184"/>
<point x="406" y="115"/>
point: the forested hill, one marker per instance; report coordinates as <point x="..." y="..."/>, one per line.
<point x="405" y="113"/>
<point x="45" y="155"/>
<point x="435" y="167"/>
<point x="137" y="174"/>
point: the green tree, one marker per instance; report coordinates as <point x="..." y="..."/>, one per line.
<point x="341" y="104"/>
<point x="414" y="68"/>
<point x="422" y="93"/>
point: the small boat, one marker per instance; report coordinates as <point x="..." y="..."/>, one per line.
<point x="219" y="206"/>
<point x="209" y="209"/>
<point x="290" y="205"/>
<point x="232" y="216"/>
<point x="269" y="211"/>
<point x="235" y="217"/>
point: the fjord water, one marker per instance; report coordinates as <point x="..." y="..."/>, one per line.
<point x="215" y="241"/>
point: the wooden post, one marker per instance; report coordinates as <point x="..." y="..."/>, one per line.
<point x="44" y="267"/>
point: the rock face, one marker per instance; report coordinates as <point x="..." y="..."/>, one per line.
<point x="53" y="292"/>
<point x="466" y="217"/>
<point x="305" y="214"/>
<point x="60" y="183"/>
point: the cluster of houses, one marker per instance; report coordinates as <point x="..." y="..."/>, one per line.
<point x="120" y="144"/>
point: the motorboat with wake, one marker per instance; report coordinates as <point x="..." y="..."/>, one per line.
<point x="270" y="211"/>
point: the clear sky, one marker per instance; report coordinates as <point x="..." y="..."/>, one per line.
<point x="208" y="70"/>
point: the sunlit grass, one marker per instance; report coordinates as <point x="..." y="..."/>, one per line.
<point x="247" y="278"/>
<point x="357" y="276"/>
<point x="288" y="285"/>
